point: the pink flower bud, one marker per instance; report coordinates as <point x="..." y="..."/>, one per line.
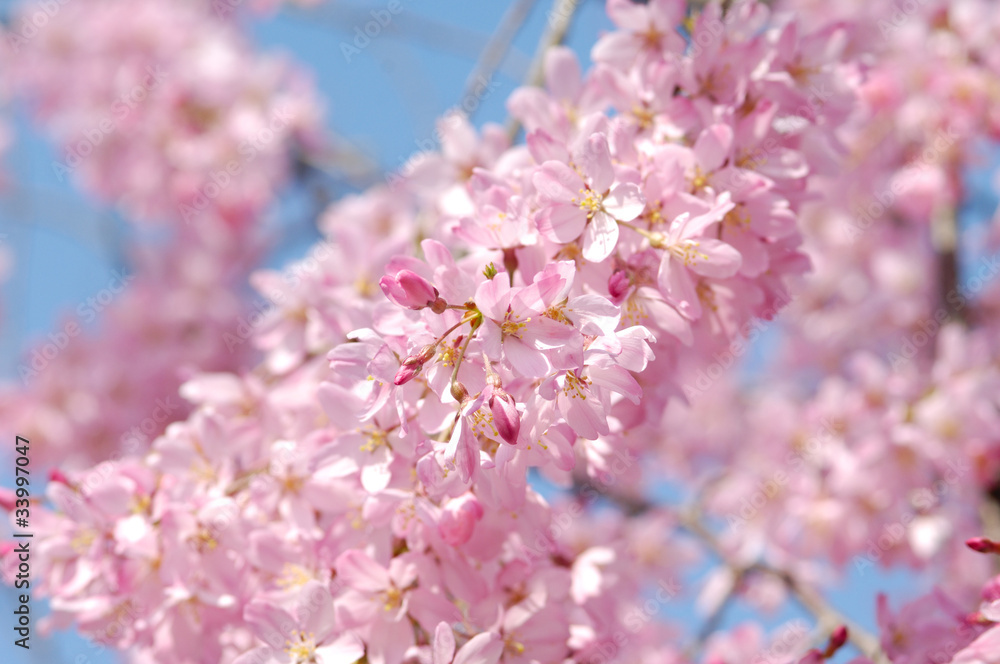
<point x="7" y="499"/>
<point x="408" y="289"/>
<point x="406" y="373"/>
<point x="982" y="545"/>
<point x="505" y="416"/>
<point x="458" y="519"/>
<point x="56" y="475"/>
<point x="618" y="286"/>
<point x="414" y="364"/>
<point x="837" y="641"/>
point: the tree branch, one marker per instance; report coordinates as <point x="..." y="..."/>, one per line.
<point x="560" y="19"/>
<point x="826" y="615"/>
<point x="497" y="48"/>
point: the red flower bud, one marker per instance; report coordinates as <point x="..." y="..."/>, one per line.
<point x="982" y="545"/>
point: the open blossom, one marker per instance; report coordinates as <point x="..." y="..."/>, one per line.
<point x="591" y="205"/>
<point x="306" y="634"/>
<point x="687" y="250"/>
<point x="173" y="116"/>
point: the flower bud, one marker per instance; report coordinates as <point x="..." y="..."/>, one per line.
<point x="458" y="519"/>
<point x="7" y="499"/>
<point x="406" y="373"/>
<point x="56" y="475"/>
<point x="408" y="289"/>
<point x="460" y="392"/>
<point x="618" y="286"/>
<point x="982" y="545"/>
<point x="837" y="641"/>
<point x="505" y="416"/>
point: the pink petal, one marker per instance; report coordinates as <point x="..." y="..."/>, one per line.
<point x="595" y="160"/>
<point x="722" y="261"/>
<point x="625" y="202"/>
<point x="628" y="15"/>
<point x="347" y="649"/>
<point x="561" y="223"/>
<point x="616" y="379"/>
<point x="444" y="644"/>
<point x="484" y="648"/>
<point x="677" y="287"/>
<point x="616" y="48"/>
<point x="593" y="314"/>
<point x="586" y="417"/>
<point x="713" y="146"/>
<point x="506" y="418"/>
<point x="525" y="360"/>
<point x="544" y="148"/>
<point x="557" y="183"/>
<point x="360" y="572"/>
<point x="600" y="237"/>
<point x="562" y="73"/>
<point x="261" y="655"/>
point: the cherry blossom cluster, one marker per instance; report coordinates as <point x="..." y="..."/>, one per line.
<point x="105" y="384"/>
<point x="920" y="121"/>
<point x="364" y="492"/>
<point x="875" y="441"/>
<point x="883" y="466"/>
<point x="161" y="107"/>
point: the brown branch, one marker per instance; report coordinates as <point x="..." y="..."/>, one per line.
<point x="560" y="19"/>
<point x="826" y="615"/>
<point x="499" y="45"/>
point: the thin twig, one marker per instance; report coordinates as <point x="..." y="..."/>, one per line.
<point x="826" y="615"/>
<point x="714" y="620"/>
<point x="499" y="45"/>
<point x="560" y="19"/>
<point x="944" y="239"/>
<point x="416" y="28"/>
